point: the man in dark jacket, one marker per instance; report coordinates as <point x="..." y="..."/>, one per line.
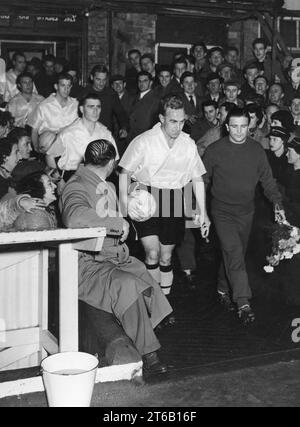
<point x="145" y="110"/>
<point x="118" y="84"/>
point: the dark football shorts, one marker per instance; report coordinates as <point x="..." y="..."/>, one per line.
<point x="168" y="222"/>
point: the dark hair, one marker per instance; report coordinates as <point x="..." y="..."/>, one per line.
<point x="285" y="118"/>
<point x="261" y="77"/>
<point x="22" y="76"/>
<point x="200" y="43"/>
<point x="16" y="54"/>
<point x="117" y="78"/>
<point x="257" y="109"/>
<point x="231" y="48"/>
<point x="237" y="112"/>
<point x="6" y="146"/>
<point x="215" y="49"/>
<point x="185" y="75"/>
<point x="210" y="103"/>
<point x="148" y="56"/>
<point x="254" y="98"/>
<point x="17" y="133"/>
<point x="36" y="62"/>
<point x="49" y="58"/>
<point x="213" y="76"/>
<point x="100" y="68"/>
<point x="251" y="65"/>
<point x="180" y="60"/>
<point x="83" y="100"/>
<point x="32" y="185"/>
<point x="64" y="76"/>
<point x="6" y="118"/>
<point x="171" y="101"/>
<point x="164" y="68"/>
<point x="144" y="73"/>
<point x="260" y="40"/>
<point x="131" y="51"/>
<point x="99" y="153"/>
<point x="191" y="59"/>
<point x="227" y="105"/>
<point x="178" y="55"/>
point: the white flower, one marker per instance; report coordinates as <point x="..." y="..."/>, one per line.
<point x="268" y="269"/>
<point x="288" y="255"/>
<point x="294" y="232"/>
<point x="296" y="249"/>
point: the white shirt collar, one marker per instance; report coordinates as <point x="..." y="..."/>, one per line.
<point x="189" y="96"/>
<point x="142" y="94"/>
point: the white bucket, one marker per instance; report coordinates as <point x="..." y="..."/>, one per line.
<point x="69" y="379"/>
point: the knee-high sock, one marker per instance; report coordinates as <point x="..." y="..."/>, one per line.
<point x="167" y="276"/>
<point x="154" y="271"/>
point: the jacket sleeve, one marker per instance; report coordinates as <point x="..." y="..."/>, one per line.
<point x="120" y="113"/>
<point x="78" y="213"/>
<point x="9" y="211"/>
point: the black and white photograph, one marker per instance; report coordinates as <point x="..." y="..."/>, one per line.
<point x="149" y="206"/>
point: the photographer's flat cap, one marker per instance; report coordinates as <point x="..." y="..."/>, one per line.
<point x="117" y="78"/>
<point x="279" y="132"/>
<point x="295" y="144"/>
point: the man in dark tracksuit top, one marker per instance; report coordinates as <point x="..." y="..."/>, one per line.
<point x="235" y="164"/>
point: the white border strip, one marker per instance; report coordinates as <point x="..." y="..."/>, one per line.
<point x="107" y="374"/>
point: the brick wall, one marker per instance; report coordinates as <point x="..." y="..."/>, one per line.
<point x="129" y="30"/>
<point x="97" y="39"/>
<point x="241" y="34"/>
<point x="132" y="30"/>
<point x="137" y="30"/>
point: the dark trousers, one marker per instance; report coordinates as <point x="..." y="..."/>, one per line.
<point x="186" y="251"/>
<point x="233" y="231"/>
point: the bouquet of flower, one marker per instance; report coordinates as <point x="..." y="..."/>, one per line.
<point x="285" y="244"/>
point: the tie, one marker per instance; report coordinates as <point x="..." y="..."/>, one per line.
<point x="192" y="101"/>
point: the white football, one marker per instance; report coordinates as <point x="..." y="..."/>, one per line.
<point x="142" y="202"/>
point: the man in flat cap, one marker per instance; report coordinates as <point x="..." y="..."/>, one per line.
<point x="278" y="138"/>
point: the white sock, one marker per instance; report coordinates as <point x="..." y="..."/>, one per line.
<point x="154" y="271"/>
<point x="166" y="278"/>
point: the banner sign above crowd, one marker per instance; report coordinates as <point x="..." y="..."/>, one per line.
<point x="73" y="21"/>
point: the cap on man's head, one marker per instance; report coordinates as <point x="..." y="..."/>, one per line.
<point x="285" y="118"/>
<point x="250" y="65"/>
<point x="116" y="78"/>
<point x="280" y="132"/>
<point x="213" y="76"/>
<point x="164" y="68"/>
<point x="295" y="144"/>
<point x="25" y="168"/>
<point x="224" y="65"/>
<point x="232" y="83"/>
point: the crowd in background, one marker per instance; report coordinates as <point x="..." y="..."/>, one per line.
<point x="48" y="120"/>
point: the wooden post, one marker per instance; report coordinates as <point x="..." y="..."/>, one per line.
<point x="68" y="298"/>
